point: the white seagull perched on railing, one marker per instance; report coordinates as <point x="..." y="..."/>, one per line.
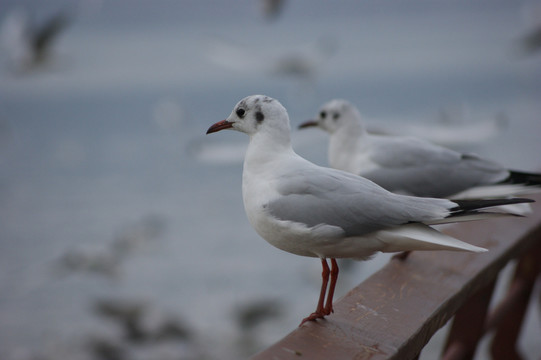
<point x="413" y="166"/>
<point x="321" y="212"/>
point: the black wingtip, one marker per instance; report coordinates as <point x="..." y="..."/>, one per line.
<point x="524" y="178"/>
<point x="470" y="205"/>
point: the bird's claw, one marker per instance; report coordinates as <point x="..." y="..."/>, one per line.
<point x="313" y="317"/>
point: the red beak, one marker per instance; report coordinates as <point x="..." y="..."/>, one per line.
<point x="220" y="125"/>
<point x="309" y="123"/>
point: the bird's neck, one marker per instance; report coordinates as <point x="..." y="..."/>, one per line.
<point x="264" y="149"/>
<point x="344" y="144"/>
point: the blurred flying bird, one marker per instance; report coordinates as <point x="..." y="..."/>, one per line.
<point x="531" y="42"/>
<point x="303" y="63"/>
<point x="251" y="315"/>
<point x="28" y="44"/>
<point x="107" y="261"/>
<point x="271" y="9"/>
<point x="138" y="326"/>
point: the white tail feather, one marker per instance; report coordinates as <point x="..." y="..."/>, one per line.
<point x="421" y="237"/>
<point x="495" y="191"/>
<point x="512" y="209"/>
<point x="473" y="217"/>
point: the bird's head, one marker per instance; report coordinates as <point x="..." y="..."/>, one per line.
<point x="333" y="115"/>
<point x="256" y="114"/>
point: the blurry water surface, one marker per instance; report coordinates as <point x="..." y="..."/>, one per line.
<point x="109" y="189"/>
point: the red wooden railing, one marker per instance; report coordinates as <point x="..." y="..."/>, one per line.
<point x="395" y="312"/>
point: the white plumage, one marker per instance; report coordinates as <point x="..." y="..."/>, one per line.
<point x="314" y="211"/>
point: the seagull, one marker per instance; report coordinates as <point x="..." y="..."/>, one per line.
<point x="29" y="44"/>
<point x="313" y="211"/>
<point x="271" y="9"/>
<point x="531" y="42"/>
<point x="410" y="165"/>
<point x="304" y="63"/>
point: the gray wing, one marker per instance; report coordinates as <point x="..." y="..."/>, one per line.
<point x="424" y="169"/>
<point x="350" y="202"/>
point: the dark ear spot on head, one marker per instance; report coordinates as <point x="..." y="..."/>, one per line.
<point x="259" y="116"/>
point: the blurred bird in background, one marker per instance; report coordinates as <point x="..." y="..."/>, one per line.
<point x="29" y="44"/>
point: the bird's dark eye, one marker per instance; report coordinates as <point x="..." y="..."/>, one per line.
<point x="323" y="114"/>
<point x="336" y="116"/>
<point x="241" y="112"/>
<point x="259" y="116"/>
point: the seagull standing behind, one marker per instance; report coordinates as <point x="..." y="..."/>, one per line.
<point x="314" y="211"/>
<point x="413" y="166"/>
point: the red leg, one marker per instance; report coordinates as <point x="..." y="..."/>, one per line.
<point x="320" y="312"/>
<point x="330" y="295"/>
